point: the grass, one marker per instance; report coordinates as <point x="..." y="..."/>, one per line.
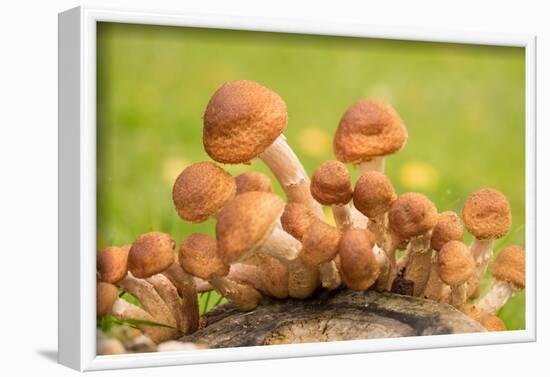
<point x="464" y="107"/>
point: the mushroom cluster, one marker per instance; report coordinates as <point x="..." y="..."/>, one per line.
<point x="265" y="246"/>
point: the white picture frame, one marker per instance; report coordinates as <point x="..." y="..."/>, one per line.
<point x="77" y="193"/>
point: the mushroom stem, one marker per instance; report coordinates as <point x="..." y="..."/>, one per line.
<point x="383" y="264"/>
<point x="281" y="245"/>
<point x="330" y="276"/>
<point x="498" y="295"/>
<point x="375" y="164"/>
<point x="185" y="285"/>
<point x="482" y="251"/>
<point x="302" y="280"/>
<point x="243" y="296"/>
<point x="254" y="276"/>
<point x="377" y="226"/>
<point x="169" y="294"/>
<point x="290" y="173"/>
<point x="392" y="242"/>
<point x="418" y="267"/>
<point x="435" y="288"/>
<point x="459" y="295"/>
<point x="347" y="217"/>
<point x="202" y="285"/>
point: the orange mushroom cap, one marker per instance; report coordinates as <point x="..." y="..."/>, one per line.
<point x="373" y="194"/>
<point x="487" y="214"/>
<point x="448" y="228"/>
<point x="509" y="265"/>
<point x="331" y="183"/>
<point x="151" y="253"/>
<point x="411" y="215"/>
<point x="198" y="256"/>
<point x="455" y="263"/>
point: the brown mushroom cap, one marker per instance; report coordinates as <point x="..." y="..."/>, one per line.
<point x="151" y="253"/>
<point x="373" y="194"/>
<point x="369" y="128"/>
<point x="296" y="218"/>
<point x="253" y="181"/>
<point x="331" y="183"/>
<point x="198" y="256"/>
<point x="319" y="244"/>
<point x="448" y="228"/>
<point x="411" y="215"/>
<point x="509" y="265"/>
<point x="112" y="263"/>
<point x="241" y="120"/>
<point x="493" y="323"/>
<point x="106" y="295"/>
<point x="357" y="261"/>
<point x="455" y="263"/>
<point x="473" y="312"/>
<point x="244" y="223"/>
<point x="201" y="190"/>
<point x="487" y="215"/>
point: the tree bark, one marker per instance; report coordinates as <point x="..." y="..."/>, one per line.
<point x="330" y="316"/>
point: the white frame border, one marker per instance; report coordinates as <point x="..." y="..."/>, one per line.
<point x="77" y="184"/>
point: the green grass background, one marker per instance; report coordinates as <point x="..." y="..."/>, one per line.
<point x="463" y="105"/>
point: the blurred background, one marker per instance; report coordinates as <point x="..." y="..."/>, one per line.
<point x="464" y="107"/>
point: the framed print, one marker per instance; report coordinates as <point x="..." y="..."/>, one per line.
<point x="237" y="189"/>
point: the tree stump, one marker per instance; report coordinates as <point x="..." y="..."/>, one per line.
<point x="330" y="316"/>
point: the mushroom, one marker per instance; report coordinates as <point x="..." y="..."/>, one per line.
<point x="369" y="130"/>
<point x="296" y="218"/>
<point x="253" y="181"/>
<point x="357" y="261"/>
<point x="508" y="278"/>
<point x="249" y="225"/>
<point x="448" y="228"/>
<point x="106" y="295"/>
<point x="373" y="196"/>
<point x="455" y="265"/>
<point x="112" y="263"/>
<point x="266" y="274"/>
<point x="493" y="323"/>
<point x="319" y="248"/>
<point x="198" y="255"/>
<point x="245" y="120"/>
<point x="153" y="253"/>
<point x="487" y="217"/>
<point x="331" y="186"/>
<point x="201" y="190"/>
<point x="411" y="215"/>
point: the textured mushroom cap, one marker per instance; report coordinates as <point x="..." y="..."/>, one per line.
<point x="473" y="312"/>
<point x="106" y="295"/>
<point x="198" y="256"/>
<point x="253" y="181"/>
<point x="373" y="194"/>
<point x="201" y="190"/>
<point x="151" y="253"/>
<point x="296" y="218"/>
<point x="241" y="120"/>
<point x="455" y="263"/>
<point x="319" y="244"/>
<point x="331" y="183"/>
<point x="493" y="323"/>
<point x="509" y="265"/>
<point x="357" y="261"/>
<point x="245" y="222"/>
<point x="411" y="215"/>
<point x="448" y="228"/>
<point x="487" y="215"/>
<point x="112" y="263"/>
<point x="369" y="128"/>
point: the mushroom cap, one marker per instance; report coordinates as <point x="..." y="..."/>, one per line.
<point x="106" y="295"/>
<point x="245" y="222"/>
<point x="411" y="215"/>
<point x="201" y="190"/>
<point x="151" y="253"/>
<point x="331" y="183"/>
<point x="509" y="265"/>
<point x="493" y="323"/>
<point x="198" y="256"/>
<point x="112" y="263"/>
<point x="487" y="215"/>
<point x="369" y="128"/>
<point x="241" y="120"/>
<point x="358" y="263"/>
<point x="448" y="228"/>
<point x="253" y="181"/>
<point x="319" y="244"/>
<point x="455" y="263"/>
<point x="296" y="218"/>
<point x="373" y="194"/>
<point x="473" y="312"/>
